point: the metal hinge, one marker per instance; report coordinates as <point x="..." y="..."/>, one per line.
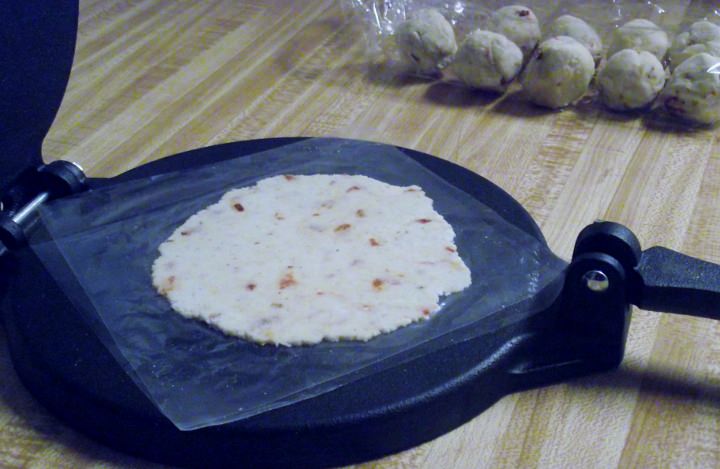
<point x="20" y="201"/>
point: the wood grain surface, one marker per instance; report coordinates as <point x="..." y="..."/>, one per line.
<point x="152" y="78"/>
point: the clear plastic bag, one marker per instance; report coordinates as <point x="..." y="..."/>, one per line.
<point x="382" y="19"/>
<point x="102" y="244"/>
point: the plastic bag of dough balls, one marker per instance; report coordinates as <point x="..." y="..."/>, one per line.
<point x="631" y="80"/>
<point x="519" y="24"/>
<point x="693" y="91"/>
<point x="578" y="29"/>
<point x="702" y="36"/>
<point x="559" y="72"/>
<point x="487" y="61"/>
<point x="640" y="34"/>
<point x="427" y="41"/>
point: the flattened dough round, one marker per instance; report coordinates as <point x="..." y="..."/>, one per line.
<point x="301" y="259"/>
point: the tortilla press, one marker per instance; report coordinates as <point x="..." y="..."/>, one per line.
<point x="66" y="367"/>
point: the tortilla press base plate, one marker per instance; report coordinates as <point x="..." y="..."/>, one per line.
<point x="66" y="367"/>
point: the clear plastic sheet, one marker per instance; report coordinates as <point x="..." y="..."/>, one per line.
<point x="380" y="20"/>
<point x="197" y="376"/>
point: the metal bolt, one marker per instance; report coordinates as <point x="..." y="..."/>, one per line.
<point x="30" y="208"/>
<point x="596" y="281"/>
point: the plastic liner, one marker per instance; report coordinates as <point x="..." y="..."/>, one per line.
<point x="380" y="20"/>
<point x="102" y="244"/>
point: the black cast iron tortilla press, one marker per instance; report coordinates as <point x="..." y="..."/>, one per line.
<point x="65" y="365"/>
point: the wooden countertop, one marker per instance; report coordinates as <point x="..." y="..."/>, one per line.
<point x="153" y="78"/>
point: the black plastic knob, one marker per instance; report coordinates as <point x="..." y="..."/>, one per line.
<point x="12" y="235"/>
<point x="62" y="178"/>
<point x="610" y="238"/>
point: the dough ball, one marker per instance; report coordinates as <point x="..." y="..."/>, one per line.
<point x="427" y="41"/>
<point x="519" y="24"/>
<point x="640" y="35"/>
<point x="568" y="25"/>
<point x="678" y="57"/>
<point x="559" y="73"/>
<point x="693" y="91"/>
<point x="702" y="36"/>
<point x="701" y="31"/>
<point x="631" y="80"/>
<point x="487" y="60"/>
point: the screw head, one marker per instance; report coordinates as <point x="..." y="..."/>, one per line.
<point x="596" y="281"/>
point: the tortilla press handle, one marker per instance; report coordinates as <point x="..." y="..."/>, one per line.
<point x="672" y="282"/>
<point x="27" y="192"/>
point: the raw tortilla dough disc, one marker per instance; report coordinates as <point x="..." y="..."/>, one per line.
<point x="301" y="259"/>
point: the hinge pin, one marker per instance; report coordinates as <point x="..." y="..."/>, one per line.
<point x="596" y="281"/>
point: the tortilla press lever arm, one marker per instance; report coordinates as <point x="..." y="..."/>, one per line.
<point x="671" y="282"/>
<point x="20" y="201"/>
